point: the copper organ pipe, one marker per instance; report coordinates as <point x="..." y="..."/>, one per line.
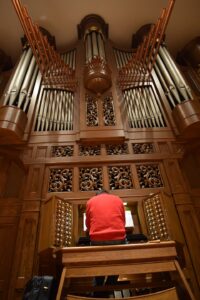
<point x="144" y="59"/>
<point x="53" y="69"/>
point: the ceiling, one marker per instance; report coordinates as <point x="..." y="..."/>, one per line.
<point x="124" y="17"/>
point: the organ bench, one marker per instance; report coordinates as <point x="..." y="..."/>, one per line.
<point x="128" y="259"/>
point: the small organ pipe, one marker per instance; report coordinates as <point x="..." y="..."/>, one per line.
<point x="48" y="108"/>
<point x="62" y="110"/>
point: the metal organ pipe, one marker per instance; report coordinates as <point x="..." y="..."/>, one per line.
<point x="143" y="108"/>
<point x="14" y="76"/>
<point x="94" y="44"/>
<point x="179" y="79"/>
<point x="101" y="46"/>
<point x="20" y="77"/>
<point x="171" y="79"/>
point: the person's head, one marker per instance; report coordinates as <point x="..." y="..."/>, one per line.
<point x="102" y="191"/>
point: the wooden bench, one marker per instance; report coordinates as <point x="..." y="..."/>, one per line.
<point x="169" y="294"/>
<point x="143" y="258"/>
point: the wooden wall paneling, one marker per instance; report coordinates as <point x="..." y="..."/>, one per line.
<point x="41" y="152"/>
<point x="25" y="249"/>
<point x="76" y="187"/>
<point x="8" y="233"/>
<point x="191" y="231"/>
<point x="34" y="182"/>
<point x="174" y="176"/>
<point x="4" y="167"/>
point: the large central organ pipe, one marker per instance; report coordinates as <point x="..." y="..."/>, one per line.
<point x="94" y="45"/>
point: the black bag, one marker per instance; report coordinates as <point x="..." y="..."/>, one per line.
<point x="40" y="288"/>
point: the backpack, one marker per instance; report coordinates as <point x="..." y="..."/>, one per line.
<point x="40" y="288"/>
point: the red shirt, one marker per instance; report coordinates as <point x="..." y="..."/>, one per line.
<point x="105" y="218"/>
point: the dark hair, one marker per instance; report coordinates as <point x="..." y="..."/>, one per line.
<point x="102" y="191"/>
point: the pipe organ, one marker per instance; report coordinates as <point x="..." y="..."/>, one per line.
<point x="98" y="116"/>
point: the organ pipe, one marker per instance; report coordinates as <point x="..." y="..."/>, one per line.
<point x="55" y="111"/>
<point x="143" y="108"/>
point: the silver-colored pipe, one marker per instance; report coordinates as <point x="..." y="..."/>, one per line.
<point x="152" y="112"/>
<point x="130" y="109"/>
<point x="55" y="119"/>
<point x="155" y="102"/>
<point x="74" y="60"/>
<point x="44" y="115"/>
<point x="31" y="87"/>
<point x="184" y="88"/>
<point x="141" y="100"/>
<point x="19" y="79"/>
<point x="140" y="108"/>
<point x="72" y="111"/>
<point x="137" y="111"/>
<point x="52" y="99"/>
<point x="26" y="82"/>
<point x="94" y="44"/>
<point x="62" y="100"/>
<point x="164" y="85"/>
<point x="101" y="46"/>
<point x="119" y="60"/>
<point x="147" y="108"/>
<point x="69" y="117"/>
<point x="40" y="112"/>
<point x="66" y="111"/>
<point x="14" y="76"/>
<point x="153" y="107"/>
<point x="127" y="108"/>
<point x="59" y="112"/>
<point x="89" y="47"/>
<point x="168" y="79"/>
<point x="48" y="111"/>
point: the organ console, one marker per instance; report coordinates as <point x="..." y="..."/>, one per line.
<point x="100" y="116"/>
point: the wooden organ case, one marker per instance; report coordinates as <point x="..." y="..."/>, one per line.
<point x="111" y="118"/>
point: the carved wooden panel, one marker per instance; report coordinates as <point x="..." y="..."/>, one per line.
<point x="149" y="176"/>
<point x="143" y="148"/>
<point x="61" y="151"/>
<point x="60" y="180"/>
